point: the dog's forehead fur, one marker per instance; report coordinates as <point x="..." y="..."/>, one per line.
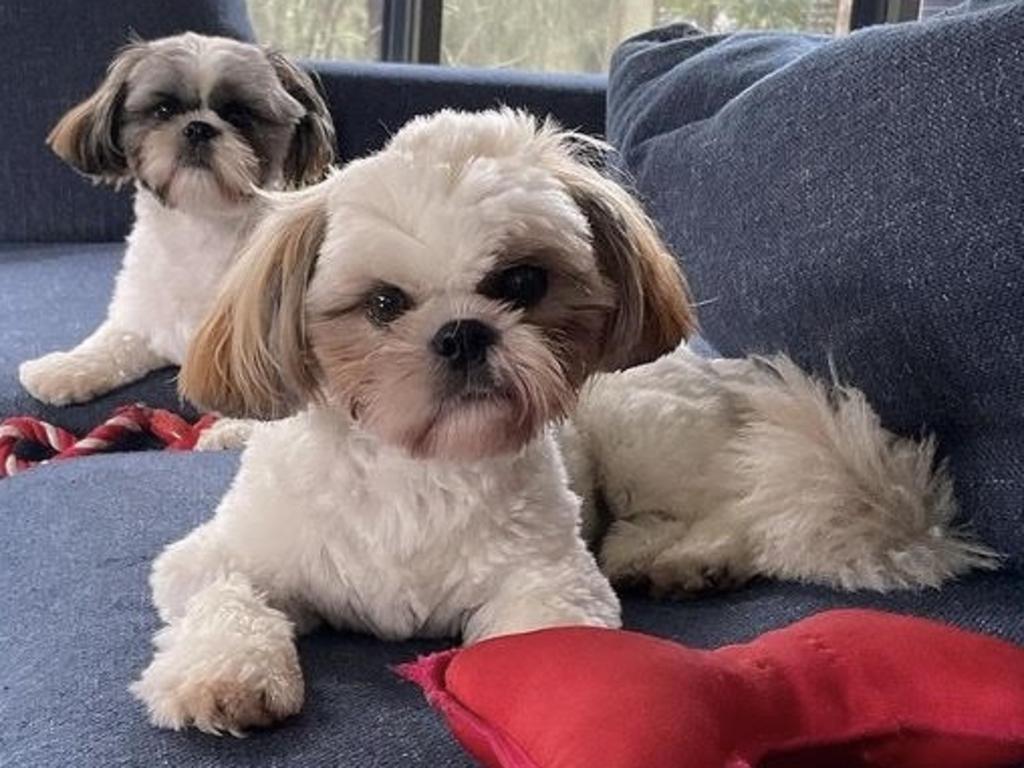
<point x="442" y="203"/>
<point x="200" y="70"/>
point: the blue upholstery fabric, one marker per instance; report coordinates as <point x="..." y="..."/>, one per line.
<point x="55" y="54"/>
<point x="78" y="540"/>
<point x="53" y="296"/>
<point x="859" y="200"/>
<point x="370" y="102"/>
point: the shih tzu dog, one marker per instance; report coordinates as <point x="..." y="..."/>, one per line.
<point x="426" y="314"/>
<point x="700" y="474"/>
<point x="198" y="123"/>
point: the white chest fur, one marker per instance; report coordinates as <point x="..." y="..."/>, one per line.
<point x="172" y="269"/>
<point x="371" y="539"/>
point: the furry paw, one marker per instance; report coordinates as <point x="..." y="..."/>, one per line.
<point x="227" y="665"/>
<point x="62" y="378"/>
<point x="680" y="578"/>
<point x="225" y="435"/>
<point x="658" y="557"/>
<point x="231" y="702"/>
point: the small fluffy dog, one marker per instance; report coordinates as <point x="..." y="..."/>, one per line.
<point x="701" y="474"/>
<point x="430" y="312"/>
<point x="198" y="123"/>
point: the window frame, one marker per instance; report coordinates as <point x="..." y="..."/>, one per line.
<point x="411" y="31"/>
<point x="867" y="13"/>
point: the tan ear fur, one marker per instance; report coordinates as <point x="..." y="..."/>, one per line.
<point x="313" y="146"/>
<point x="86" y="137"/>
<point x="250" y="358"/>
<point x="653" y="312"/>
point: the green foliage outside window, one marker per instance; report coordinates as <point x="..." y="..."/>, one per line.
<point x="554" y="35"/>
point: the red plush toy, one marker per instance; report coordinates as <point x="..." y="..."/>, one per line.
<point x="838" y="690"/>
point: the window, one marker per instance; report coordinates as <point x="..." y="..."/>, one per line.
<point x="551" y="35"/>
<point x="581" y="35"/>
<point x="320" y="29"/>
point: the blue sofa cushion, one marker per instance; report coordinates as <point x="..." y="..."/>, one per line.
<point x="858" y="200"/>
<point x="55" y="54"/>
<point x="53" y="296"/>
<point x="79" y="537"/>
<point x="370" y="102"/>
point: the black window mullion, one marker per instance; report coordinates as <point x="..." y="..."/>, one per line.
<point x="865" y="13"/>
<point x="411" y="31"/>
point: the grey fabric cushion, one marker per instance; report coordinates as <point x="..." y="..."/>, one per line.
<point x="78" y="540"/>
<point x="858" y="200"/>
<point x="55" y="54"/>
<point x="53" y="296"/>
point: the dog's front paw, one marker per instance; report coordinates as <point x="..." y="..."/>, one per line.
<point x="230" y="693"/>
<point x="225" y="435"/>
<point x="220" y="704"/>
<point x="62" y="378"/>
<point x="226" y="664"/>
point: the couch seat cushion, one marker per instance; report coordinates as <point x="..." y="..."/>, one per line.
<point x="78" y="540"/>
<point x="54" y="296"/>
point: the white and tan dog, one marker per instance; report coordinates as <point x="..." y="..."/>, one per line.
<point x="198" y="124"/>
<point x="701" y="474"/>
<point x="429" y="312"/>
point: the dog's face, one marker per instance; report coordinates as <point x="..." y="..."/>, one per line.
<point x="200" y="121"/>
<point x="451" y="293"/>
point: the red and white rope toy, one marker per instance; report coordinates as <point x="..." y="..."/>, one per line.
<point x="26" y="442"/>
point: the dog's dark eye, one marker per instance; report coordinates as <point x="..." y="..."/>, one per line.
<point x="165" y="109"/>
<point x="522" y="286"/>
<point x="237" y="114"/>
<point x="386" y="304"/>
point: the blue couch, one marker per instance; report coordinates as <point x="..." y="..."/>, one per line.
<point x="756" y="157"/>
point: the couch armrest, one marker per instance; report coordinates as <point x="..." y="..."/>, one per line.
<point x="371" y="101"/>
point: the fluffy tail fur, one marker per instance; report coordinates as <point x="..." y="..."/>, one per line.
<point x="716" y="471"/>
<point x="832" y="497"/>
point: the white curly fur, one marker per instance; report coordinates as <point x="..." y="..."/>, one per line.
<point x="474" y="548"/>
<point x="715" y="471"/>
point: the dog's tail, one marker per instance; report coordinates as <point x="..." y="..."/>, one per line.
<point x="835" y="498"/>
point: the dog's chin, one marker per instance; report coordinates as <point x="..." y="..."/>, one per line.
<point x="213" y="181"/>
<point x="464" y="428"/>
<point x="195" y="189"/>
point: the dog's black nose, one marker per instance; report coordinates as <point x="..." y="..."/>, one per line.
<point x="198" y="132"/>
<point x="463" y="343"/>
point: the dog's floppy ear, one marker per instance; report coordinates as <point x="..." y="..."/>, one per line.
<point x="653" y="312"/>
<point x="312" y="149"/>
<point x="249" y="357"/>
<point x="87" y="136"/>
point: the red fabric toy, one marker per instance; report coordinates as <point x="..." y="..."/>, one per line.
<point x="842" y="689"/>
<point x="26" y="441"/>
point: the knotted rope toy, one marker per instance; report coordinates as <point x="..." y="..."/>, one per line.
<point x="26" y="442"/>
